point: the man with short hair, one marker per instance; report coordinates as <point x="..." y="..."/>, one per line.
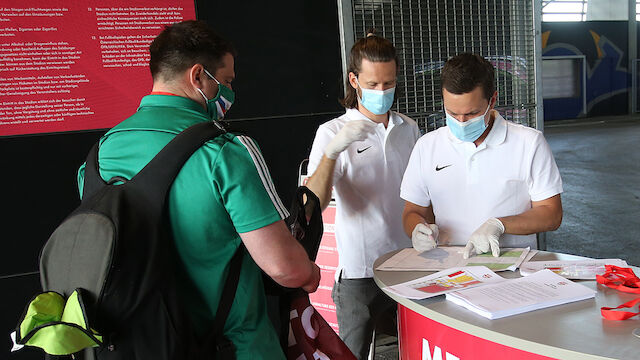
<point x="480" y="181"/>
<point x="363" y="154"/>
<point x="222" y="197"/>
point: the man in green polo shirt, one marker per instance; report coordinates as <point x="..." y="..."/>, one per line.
<point x="222" y="196"/>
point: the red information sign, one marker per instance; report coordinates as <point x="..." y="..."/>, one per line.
<point x="77" y="65"/>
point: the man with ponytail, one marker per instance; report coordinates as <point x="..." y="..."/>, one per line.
<point x="362" y="155"/>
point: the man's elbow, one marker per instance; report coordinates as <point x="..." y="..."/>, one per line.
<point x="554" y="221"/>
<point x="558" y="222"/>
<point x="289" y="275"/>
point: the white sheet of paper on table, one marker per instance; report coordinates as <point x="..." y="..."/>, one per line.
<point x="446" y="257"/>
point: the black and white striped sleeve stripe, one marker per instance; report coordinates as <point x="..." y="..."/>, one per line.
<point x="263" y="171"/>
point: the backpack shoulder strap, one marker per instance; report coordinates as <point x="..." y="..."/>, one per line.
<point x="215" y="337"/>
<point x="158" y="175"/>
<point x="92" y="179"/>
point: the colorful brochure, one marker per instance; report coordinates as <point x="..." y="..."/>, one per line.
<point x="445" y="281"/>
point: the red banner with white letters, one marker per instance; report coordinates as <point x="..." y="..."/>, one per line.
<point x="77" y="65"/>
<point x="425" y="339"/>
<point x="327" y="261"/>
<point x="310" y="337"/>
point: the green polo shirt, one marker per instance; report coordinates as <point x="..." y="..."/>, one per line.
<point x="222" y="190"/>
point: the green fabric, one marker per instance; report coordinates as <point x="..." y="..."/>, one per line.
<point x="49" y="324"/>
<point x="45" y="308"/>
<point x="217" y="194"/>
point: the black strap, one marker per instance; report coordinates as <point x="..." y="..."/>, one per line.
<point x="92" y="179"/>
<point x="229" y="291"/>
<point x="158" y="175"/>
<point x="215" y="336"/>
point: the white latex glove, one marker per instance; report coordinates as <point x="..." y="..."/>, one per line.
<point x="424" y="237"/>
<point x="485" y="238"/>
<point x="354" y="130"/>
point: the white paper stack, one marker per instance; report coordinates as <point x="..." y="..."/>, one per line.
<point x="515" y="296"/>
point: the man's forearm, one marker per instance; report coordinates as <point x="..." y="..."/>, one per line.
<point x="281" y="256"/>
<point x="413" y="215"/>
<point x="299" y="274"/>
<point x="321" y="181"/>
<point x="545" y="217"/>
<point x="410" y="220"/>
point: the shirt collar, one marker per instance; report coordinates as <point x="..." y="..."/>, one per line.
<point x="395" y="118"/>
<point x="171" y="101"/>
<point x="498" y="132"/>
<point x="495" y="137"/>
<point x="354" y="114"/>
<point x="193" y="114"/>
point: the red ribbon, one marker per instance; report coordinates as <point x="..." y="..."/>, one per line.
<point x="623" y="279"/>
<point x="610" y="313"/>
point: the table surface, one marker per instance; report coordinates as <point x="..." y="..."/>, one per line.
<point x="570" y="331"/>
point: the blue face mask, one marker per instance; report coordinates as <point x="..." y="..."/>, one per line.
<point x="469" y="130"/>
<point x="376" y="101"/>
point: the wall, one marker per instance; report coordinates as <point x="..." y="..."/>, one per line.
<point x="288" y="76"/>
<point x="288" y="82"/>
<point x="38" y="188"/>
<point x="605" y="46"/>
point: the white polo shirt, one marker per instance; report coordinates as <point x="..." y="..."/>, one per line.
<point x="366" y="182"/>
<point x="468" y="185"/>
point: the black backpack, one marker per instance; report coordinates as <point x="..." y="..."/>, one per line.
<point x="108" y="271"/>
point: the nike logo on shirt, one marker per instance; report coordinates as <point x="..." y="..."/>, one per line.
<point x="362" y="150"/>
<point x="438" y="168"/>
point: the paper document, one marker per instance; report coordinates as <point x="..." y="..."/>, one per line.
<point x="530" y="255"/>
<point x="445" y="257"/>
<point x="515" y="296"/>
<point x="445" y="281"/>
<point x="574" y="269"/>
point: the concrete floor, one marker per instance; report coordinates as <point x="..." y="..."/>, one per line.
<point x="599" y="162"/>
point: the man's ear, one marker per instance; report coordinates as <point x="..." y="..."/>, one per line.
<point x="494" y="100"/>
<point x="352" y="80"/>
<point x="195" y="74"/>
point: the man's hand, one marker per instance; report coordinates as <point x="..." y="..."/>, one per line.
<point x="314" y="281"/>
<point x="355" y="130"/>
<point x="486" y="237"/>
<point x="425" y="237"/>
